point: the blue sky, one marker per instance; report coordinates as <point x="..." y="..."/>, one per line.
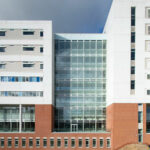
<point x="71" y="16"/>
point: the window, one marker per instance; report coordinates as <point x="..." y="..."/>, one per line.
<point x="22" y="93"/>
<point x="41" y="33"/>
<point x="16" y="142"/>
<point x="9" y="142"/>
<point x="94" y="142"/>
<point x="28" y="118"/>
<point x="148" y="117"/>
<point x="148" y="76"/>
<point x="2" y="33"/>
<point x="28" y="65"/>
<point x="132" y="16"/>
<point x="148" y="29"/>
<point x="41" y="66"/>
<point x="9" y="123"/>
<point x="2" y="49"/>
<point x="132" y="54"/>
<point x="80" y="142"/>
<point x="147" y="45"/>
<point x="140" y="117"/>
<point x="30" y="142"/>
<point x="148" y="92"/>
<point x="101" y="143"/>
<point x="51" y="142"/>
<point x="132" y="84"/>
<point x="38" y="142"/>
<point x="44" y="142"/>
<point x="65" y="142"/>
<point x="41" y="49"/>
<point x="2" y="142"/>
<point x="108" y="143"/>
<point x="132" y="37"/>
<point x="23" y="142"/>
<point x="140" y="135"/>
<point x="28" y="48"/>
<point x="2" y="66"/>
<point x="148" y="12"/>
<point x="58" y="142"/>
<point x="86" y="142"/>
<point x="132" y="70"/>
<point x="28" y="32"/>
<point x="72" y="142"/>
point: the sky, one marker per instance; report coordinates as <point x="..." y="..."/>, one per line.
<point x="68" y="16"/>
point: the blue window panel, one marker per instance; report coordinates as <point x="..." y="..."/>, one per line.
<point x="2" y="79"/>
<point x="6" y="93"/>
<point x="38" y="79"/>
<point x="9" y="79"/>
<point x="34" y="79"/>
<point x="20" y="79"/>
<point x="30" y="79"/>
<point x="13" y="79"/>
<point x="19" y="93"/>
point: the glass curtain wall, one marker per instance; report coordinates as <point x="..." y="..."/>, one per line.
<point x="80" y="85"/>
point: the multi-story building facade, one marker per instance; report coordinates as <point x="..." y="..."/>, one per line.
<point x="76" y="91"/>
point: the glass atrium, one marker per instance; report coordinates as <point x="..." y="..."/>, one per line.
<point x="80" y="85"/>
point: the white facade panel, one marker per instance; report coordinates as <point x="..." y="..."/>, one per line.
<point x="46" y="58"/>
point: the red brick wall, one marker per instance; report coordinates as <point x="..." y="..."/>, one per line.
<point x="124" y="127"/>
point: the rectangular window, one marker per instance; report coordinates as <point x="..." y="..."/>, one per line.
<point x="28" y="65"/>
<point x="148" y="92"/>
<point x="28" y="118"/>
<point x="148" y="29"/>
<point x="140" y="117"/>
<point x="101" y="143"/>
<point x="65" y="142"/>
<point x="9" y="142"/>
<point x="30" y="142"/>
<point x="133" y="16"/>
<point x="16" y="142"/>
<point x="132" y="37"/>
<point x="148" y="117"/>
<point x="108" y="143"/>
<point x="94" y="142"/>
<point x="148" y="76"/>
<point x="2" y="49"/>
<point x="2" y="142"/>
<point x="44" y="142"/>
<point x="72" y="142"/>
<point x="132" y="54"/>
<point x="2" y="33"/>
<point x="86" y="142"/>
<point x="132" y="84"/>
<point x="23" y="142"/>
<point x="2" y="66"/>
<point x="140" y="135"/>
<point x="41" y="66"/>
<point x="80" y="142"/>
<point x="41" y="49"/>
<point x="37" y="142"/>
<point x="28" y="32"/>
<point x="148" y="12"/>
<point x="28" y="48"/>
<point x="132" y="70"/>
<point x="51" y="142"/>
<point x="58" y="142"/>
<point x="41" y="34"/>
